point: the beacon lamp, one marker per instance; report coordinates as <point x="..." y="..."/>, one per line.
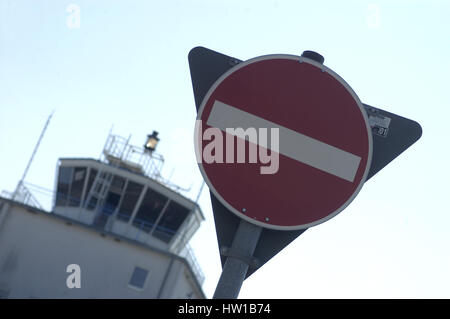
<point x="152" y="141"/>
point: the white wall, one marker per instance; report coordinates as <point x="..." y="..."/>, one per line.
<point x="35" y="249"/>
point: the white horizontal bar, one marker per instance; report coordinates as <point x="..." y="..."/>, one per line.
<point x="292" y="144"/>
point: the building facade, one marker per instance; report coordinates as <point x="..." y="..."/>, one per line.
<point x="116" y="230"/>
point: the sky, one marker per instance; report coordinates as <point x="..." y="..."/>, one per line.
<point x="99" y="64"/>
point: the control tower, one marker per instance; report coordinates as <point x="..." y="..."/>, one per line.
<point x="116" y="217"/>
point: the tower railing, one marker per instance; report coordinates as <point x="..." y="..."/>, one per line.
<point x="22" y="195"/>
<point x="118" y="151"/>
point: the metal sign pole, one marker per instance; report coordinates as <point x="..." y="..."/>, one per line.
<point x="239" y="259"/>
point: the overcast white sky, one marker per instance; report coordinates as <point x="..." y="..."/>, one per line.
<point x="126" y="64"/>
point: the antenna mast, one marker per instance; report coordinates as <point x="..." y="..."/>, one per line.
<point x="32" y="156"/>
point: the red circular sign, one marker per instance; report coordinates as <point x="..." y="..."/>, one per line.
<point x="283" y="142"/>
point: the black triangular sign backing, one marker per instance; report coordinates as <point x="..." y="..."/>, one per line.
<point x="392" y="134"/>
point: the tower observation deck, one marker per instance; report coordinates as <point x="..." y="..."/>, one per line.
<point x="144" y="222"/>
<point x="123" y="192"/>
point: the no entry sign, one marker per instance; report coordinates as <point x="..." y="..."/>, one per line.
<point x="283" y="142"/>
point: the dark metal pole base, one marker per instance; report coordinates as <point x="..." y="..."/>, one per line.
<point x="240" y="257"/>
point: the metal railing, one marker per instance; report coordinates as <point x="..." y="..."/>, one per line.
<point x="22" y="195"/>
<point x="108" y="217"/>
<point x="188" y="254"/>
<point x="119" y="151"/>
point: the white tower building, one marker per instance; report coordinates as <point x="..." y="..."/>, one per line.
<point x="117" y="229"/>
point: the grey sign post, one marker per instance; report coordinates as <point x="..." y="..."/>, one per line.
<point x="239" y="259"/>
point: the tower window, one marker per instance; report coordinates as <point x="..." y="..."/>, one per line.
<point x="150" y="209"/>
<point x="93" y="200"/>
<point x="171" y="222"/>
<point x="138" y="278"/>
<point x="132" y="193"/>
<point x="63" y="188"/>
<point x="79" y="176"/>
